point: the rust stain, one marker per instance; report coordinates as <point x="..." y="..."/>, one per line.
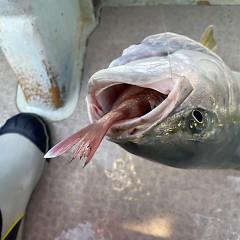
<point x="203" y="3"/>
<point x="56" y="98"/>
<point x="54" y="90"/>
<point x="36" y="90"/>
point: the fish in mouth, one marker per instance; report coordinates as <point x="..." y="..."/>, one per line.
<point x="165" y="99"/>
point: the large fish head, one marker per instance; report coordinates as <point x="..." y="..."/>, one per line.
<point x="191" y="127"/>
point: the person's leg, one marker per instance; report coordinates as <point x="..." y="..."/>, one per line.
<point x="24" y="140"/>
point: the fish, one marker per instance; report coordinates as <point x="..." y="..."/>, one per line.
<point x="168" y="99"/>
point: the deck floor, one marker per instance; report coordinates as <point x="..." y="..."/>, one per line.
<point x="120" y="196"/>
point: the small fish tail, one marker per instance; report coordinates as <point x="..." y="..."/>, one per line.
<point x="65" y="145"/>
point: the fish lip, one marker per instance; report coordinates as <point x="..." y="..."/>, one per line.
<point x="176" y="86"/>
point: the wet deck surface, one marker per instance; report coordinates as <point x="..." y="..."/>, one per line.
<point x="120" y="196"/>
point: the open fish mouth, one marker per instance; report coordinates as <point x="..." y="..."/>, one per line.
<point x="107" y="85"/>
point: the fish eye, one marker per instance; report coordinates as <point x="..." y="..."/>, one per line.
<point x="197" y="120"/>
<point x="197" y="115"/>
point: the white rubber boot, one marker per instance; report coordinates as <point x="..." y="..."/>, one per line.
<point x="23" y="142"/>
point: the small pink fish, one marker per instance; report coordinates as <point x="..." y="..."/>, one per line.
<point x="131" y="103"/>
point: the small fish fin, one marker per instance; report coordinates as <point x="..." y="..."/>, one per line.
<point x="66" y="144"/>
<point x="208" y="39"/>
<point x="89" y="137"/>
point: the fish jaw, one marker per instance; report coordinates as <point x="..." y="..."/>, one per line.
<point x="154" y="73"/>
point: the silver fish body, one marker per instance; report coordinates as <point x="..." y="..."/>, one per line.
<point x="196" y="125"/>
